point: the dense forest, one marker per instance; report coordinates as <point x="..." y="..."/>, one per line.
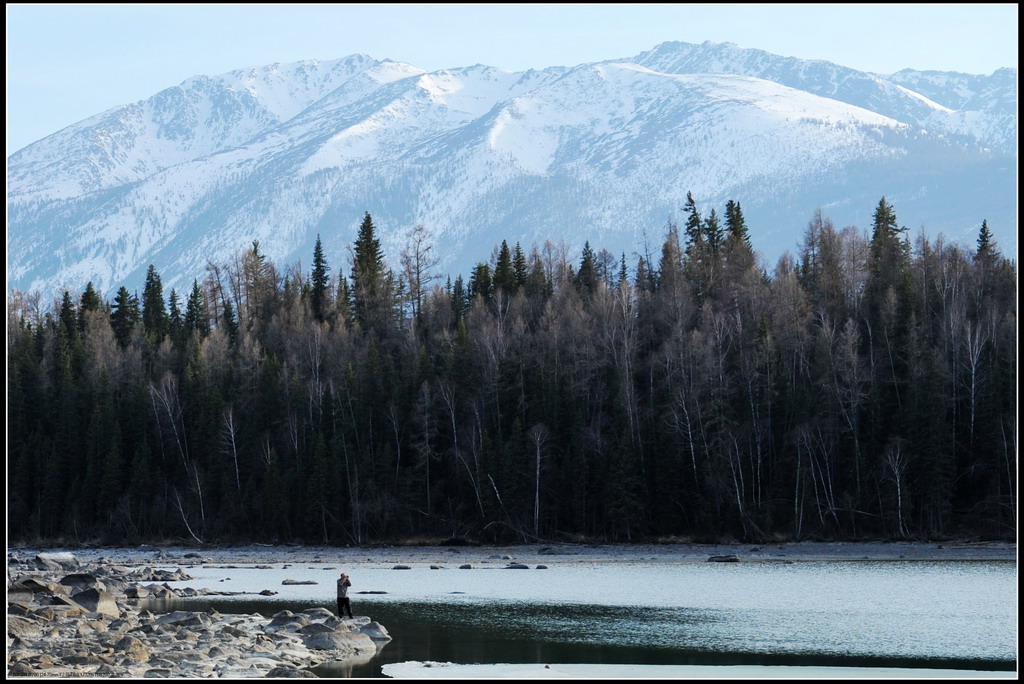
<point x="863" y="388"/>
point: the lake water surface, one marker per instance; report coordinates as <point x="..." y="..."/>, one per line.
<point x="947" y="614"/>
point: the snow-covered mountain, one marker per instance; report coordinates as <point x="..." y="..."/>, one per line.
<point x="604" y="152"/>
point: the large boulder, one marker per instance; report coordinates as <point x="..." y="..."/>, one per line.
<point x="57" y="611"/>
<point x="286" y="620"/>
<point x="354" y="642"/>
<point x="80" y="581"/>
<point x="136" y="591"/>
<point x="131" y="647"/>
<point x="56" y="561"/>
<point x="97" y="601"/>
<point x="318" y="613"/>
<point x="375" y="631"/>
<point x="19" y="596"/>
<point x="21" y="626"/>
<point x="36" y="586"/>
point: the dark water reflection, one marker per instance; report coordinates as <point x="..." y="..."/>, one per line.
<point x="510" y="632"/>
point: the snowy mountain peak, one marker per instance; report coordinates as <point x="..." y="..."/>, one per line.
<point x="604" y="152"/>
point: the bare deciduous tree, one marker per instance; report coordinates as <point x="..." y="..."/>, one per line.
<point x="538" y="435"/>
<point x="418" y="263"/>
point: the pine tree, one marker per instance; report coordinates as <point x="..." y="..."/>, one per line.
<point x="692" y="230"/>
<point x="343" y="299"/>
<point x="371" y="285"/>
<point x="195" y="312"/>
<point x="90" y="301"/>
<point x="124" y="315"/>
<point x="887" y="237"/>
<point x="504" y="275"/>
<point x="175" y="322"/>
<point x="481" y="283"/>
<point x="319" y="282"/>
<point x="586" y="276"/>
<point x="458" y="299"/>
<point x="713" y="233"/>
<point x="739" y="255"/>
<point x="644" y="279"/>
<point x="537" y="286"/>
<point x="230" y="322"/>
<point x="154" y="317"/>
<point x="889" y="257"/>
<point x="670" y="268"/>
<point x="519" y="268"/>
<point x="68" y="316"/>
<point x="735" y="225"/>
<point x="986" y="245"/>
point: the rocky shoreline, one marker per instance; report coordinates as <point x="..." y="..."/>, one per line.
<point x="72" y="618"/>
<point x="84" y="613"/>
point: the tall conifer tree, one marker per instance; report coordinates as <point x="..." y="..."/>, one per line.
<point x="319" y="282"/>
<point x="154" y="316"/>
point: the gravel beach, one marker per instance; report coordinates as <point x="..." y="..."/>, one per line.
<point x="797" y="551"/>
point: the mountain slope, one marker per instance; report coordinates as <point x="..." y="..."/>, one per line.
<point x="604" y="152"/>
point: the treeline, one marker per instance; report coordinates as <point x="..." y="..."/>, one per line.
<point x="864" y="388"/>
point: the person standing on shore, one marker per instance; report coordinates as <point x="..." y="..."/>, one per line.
<point x="343" y="604"/>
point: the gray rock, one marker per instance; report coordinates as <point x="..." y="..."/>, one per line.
<point x="22" y="626"/>
<point x="36" y="586"/>
<point x="401" y="567"/>
<point x="19" y="609"/>
<point x="339" y="641"/>
<point x="375" y="631"/>
<point x="467" y="566"/>
<point x="20" y="596"/>
<point x="132" y="647"/>
<point x="56" y="560"/>
<point x="84" y="658"/>
<point x="109" y="671"/>
<point x="184" y="618"/>
<point x="287" y="671"/>
<point x="317" y="613"/>
<point x="230" y="631"/>
<point x="727" y="558"/>
<point x="136" y="591"/>
<point x="80" y="581"/>
<point x="292" y="581"/>
<point x="517" y="566"/>
<point x="157" y="672"/>
<point x="337" y="623"/>
<point x="21" y="669"/>
<point x="160" y="663"/>
<point x="97" y="601"/>
<point x="286" y="620"/>
<point x="57" y="612"/>
<point x="45" y="662"/>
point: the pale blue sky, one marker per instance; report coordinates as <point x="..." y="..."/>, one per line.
<point x="68" y="62"/>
